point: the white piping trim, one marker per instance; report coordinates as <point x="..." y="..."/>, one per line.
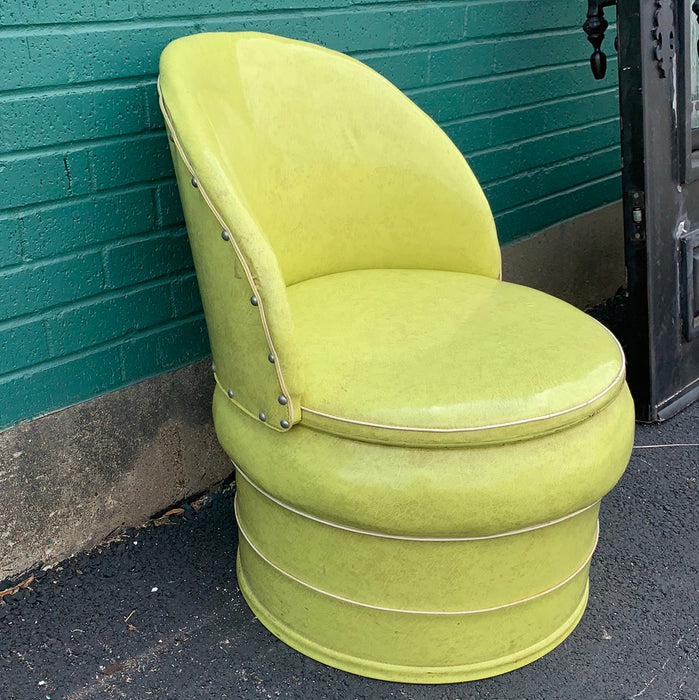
<point x="343" y="599"/>
<point x="239" y="254"/>
<point x="244" y="409"/>
<point x="616" y="382"/>
<point x="408" y="538"/>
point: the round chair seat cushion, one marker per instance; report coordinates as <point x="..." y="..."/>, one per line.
<point x="433" y="358"/>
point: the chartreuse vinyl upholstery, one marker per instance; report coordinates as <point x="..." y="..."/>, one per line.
<point x="421" y="448"/>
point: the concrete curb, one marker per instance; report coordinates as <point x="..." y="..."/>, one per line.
<point x="71" y="478"/>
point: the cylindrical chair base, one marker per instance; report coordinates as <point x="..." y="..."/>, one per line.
<point x="421" y="565"/>
<point x="421" y="610"/>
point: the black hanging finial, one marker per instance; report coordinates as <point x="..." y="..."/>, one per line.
<point x="595" y="26"/>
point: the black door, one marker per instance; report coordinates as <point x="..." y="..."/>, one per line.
<point x="659" y="101"/>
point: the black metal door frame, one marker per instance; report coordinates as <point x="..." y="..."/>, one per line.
<point x="660" y="181"/>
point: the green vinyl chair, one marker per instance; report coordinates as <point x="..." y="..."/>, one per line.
<point x="421" y="448"/>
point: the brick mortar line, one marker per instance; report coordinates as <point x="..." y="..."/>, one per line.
<point x="76" y="305"/>
<point x="86" y="27"/>
<point x="574" y="160"/>
<point x="567" y="190"/>
<point x="523" y="108"/>
<point x="104" y="246"/>
<point x="504" y="147"/>
<point x="150" y="133"/>
<point x="476" y="41"/>
<point x="501" y="77"/>
<point x="112" y="344"/>
<point x="12" y="213"/>
<point x="491" y="187"/>
<point x="80" y="87"/>
<point x="49" y="313"/>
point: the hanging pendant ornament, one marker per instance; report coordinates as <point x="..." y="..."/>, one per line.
<point x="595" y="26"/>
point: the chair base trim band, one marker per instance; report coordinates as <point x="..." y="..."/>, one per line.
<point x="427" y="674"/>
<point x="410" y="538"/>
<point x="362" y="604"/>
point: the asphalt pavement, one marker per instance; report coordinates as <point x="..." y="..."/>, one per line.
<point x="157" y="612"/>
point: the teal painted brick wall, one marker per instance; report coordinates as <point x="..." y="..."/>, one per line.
<point x="96" y="281"/>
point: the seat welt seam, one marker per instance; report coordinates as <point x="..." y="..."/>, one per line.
<point x="615" y="384"/>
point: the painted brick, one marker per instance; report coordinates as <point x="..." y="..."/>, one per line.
<point x="461" y="61"/>
<point x="30" y="178"/>
<point x="405" y="69"/>
<point x="21" y="12"/>
<point x="185" y="296"/>
<point x="185" y="342"/>
<point x="68" y="226"/>
<point x="507" y="127"/>
<point x="67" y="115"/>
<point x="531" y="52"/>
<point x="147" y="258"/>
<point x="568" y="111"/>
<point x="506" y="161"/>
<point x="165" y="348"/>
<point x="455" y="101"/>
<point x="52" y="57"/>
<point x="167" y="8"/>
<point x="39" y="286"/>
<point x="506" y="55"/>
<point x="106" y="318"/>
<point x="173" y="8"/>
<point x="472" y="133"/>
<point x="22" y="344"/>
<point x="43" y="57"/>
<point x="383" y="28"/>
<point x="124" y="161"/>
<point x="168" y="205"/>
<point x="535" y="184"/>
<point x="155" y="116"/>
<point x="562" y="205"/>
<point x="49" y="387"/>
<point x="10" y="242"/>
<point x="488" y="18"/>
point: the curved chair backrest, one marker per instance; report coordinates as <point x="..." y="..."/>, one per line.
<point x="338" y="169"/>
<point x="312" y="164"/>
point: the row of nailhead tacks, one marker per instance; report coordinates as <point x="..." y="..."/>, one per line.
<point x="253" y="300"/>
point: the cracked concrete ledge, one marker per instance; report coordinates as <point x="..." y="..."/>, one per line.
<point x="71" y="478"/>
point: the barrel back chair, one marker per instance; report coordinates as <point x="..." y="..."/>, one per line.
<point x="421" y="448"/>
